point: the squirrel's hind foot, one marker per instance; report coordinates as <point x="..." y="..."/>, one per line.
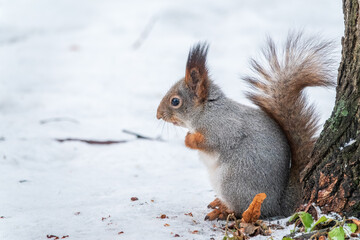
<point x="220" y="211"/>
<point x="214" y="204"/>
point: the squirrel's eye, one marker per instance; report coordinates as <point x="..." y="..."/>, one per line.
<point x="175" y="102"/>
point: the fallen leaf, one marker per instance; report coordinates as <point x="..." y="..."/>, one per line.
<point x="163" y="216"/>
<point x="189" y="214"/>
<point x="337" y="233"/>
<point x="176" y="235"/>
<point x="120" y="232"/>
<point x="166" y="225"/>
<point x="52" y="236"/>
<point x="254" y="210"/>
<point x="195" y="232"/>
<point x="66" y="236"/>
<point x="354" y="235"/>
<point x="276" y="226"/>
<point x="249" y="228"/>
<point x="134" y="199"/>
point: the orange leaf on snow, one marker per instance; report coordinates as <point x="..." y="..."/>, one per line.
<point x="189" y="214"/>
<point x="253" y="212"/>
<point x="163" y="216"/>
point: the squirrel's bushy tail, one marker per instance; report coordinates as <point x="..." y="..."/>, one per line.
<point x="278" y="91"/>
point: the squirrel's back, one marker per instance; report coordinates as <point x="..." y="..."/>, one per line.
<point x="253" y="154"/>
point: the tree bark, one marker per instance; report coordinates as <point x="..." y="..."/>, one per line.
<point x="332" y="179"/>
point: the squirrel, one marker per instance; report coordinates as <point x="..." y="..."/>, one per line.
<point x="251" y="150"/>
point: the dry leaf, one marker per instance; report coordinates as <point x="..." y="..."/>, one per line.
<point x="253" y="212"/>
<point x="134" y="199"/>
<point x="163" y="216"/>
<point x="189" y="214"/>
<point x="249" y="228"/>
<point x="51" y="236"/>
<point x="166" y="225"/>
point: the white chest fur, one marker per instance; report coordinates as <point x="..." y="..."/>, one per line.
<point x="211" y="161"/>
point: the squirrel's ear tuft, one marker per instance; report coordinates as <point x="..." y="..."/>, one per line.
<point x="196" y="75"/>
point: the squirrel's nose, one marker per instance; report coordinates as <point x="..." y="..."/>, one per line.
<point x="159" y="114"/>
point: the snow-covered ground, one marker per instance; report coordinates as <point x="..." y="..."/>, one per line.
<point x="89" y="69"/>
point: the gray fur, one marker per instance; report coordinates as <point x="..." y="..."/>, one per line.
<point x="248" y="151"/>
<point x="254" y="155"/>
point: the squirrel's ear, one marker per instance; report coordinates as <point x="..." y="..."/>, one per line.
<point x="196" y="76"/>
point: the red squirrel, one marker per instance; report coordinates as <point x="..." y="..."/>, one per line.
<point x="253" y="150"/>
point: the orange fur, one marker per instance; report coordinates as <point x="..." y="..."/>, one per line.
<point x="215" y="203"/>
<point x="278" y="91"/>
<point x="220" y="211"/>
<point x="194" y="141"/>
<point x="252" y="214"/>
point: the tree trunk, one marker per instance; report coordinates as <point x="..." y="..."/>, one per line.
<point x="332" y="179"/>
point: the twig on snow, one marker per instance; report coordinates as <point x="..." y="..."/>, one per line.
<point x="139" y="136"/>
<point x="107" y="142"/>
<point x="58" y="119"/>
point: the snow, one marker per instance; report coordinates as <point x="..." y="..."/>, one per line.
<point x="89" y="69"/>
<point x="349" y="143"/>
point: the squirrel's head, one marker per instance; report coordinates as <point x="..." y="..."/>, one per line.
<point x="189" y="94"/>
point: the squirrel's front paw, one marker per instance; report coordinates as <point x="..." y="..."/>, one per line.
<point x="194" y="140"/>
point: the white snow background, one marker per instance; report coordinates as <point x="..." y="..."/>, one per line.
<point x="89" y="69"/>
